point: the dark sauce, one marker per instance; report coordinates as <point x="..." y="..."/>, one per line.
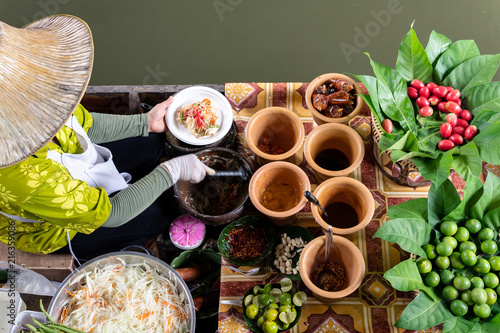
<point x="332" y="159"/>
<point x="341" y="215"/>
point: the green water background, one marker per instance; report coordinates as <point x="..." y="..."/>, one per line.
<point x="218" y="41"/>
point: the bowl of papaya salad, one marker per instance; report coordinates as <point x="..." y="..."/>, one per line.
<point x="199" y="116"/>
<point x="124" y="292"/>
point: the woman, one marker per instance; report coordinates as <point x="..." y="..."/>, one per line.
<point x="56" y="182"/>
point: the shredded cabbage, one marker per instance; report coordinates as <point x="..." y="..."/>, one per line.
<point x="126" y="298"/>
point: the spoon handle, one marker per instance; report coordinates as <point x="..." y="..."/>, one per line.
<point x="329" y="237"/>
<point x="315" y="201"/>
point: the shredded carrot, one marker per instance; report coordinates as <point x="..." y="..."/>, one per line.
<point x="69" y="292"/>
<point x="145" y="315"/>
<point x="93" y="327"/>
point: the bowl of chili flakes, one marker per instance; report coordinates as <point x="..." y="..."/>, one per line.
<point x="247" y="241"/>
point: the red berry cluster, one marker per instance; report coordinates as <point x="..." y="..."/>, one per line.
<point x="447" y="100"/>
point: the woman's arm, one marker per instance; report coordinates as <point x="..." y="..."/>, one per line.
<point x="110" y="127"/>
<point x="133" y="200"/>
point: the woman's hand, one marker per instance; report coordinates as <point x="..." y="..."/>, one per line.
<point x="156" y="117"/>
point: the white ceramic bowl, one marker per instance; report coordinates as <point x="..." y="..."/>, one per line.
<point x="197" y="94"/>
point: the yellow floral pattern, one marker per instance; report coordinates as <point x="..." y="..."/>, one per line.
<point x="41" y="189"/>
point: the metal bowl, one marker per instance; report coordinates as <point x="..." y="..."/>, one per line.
<point x="61" y="296"/>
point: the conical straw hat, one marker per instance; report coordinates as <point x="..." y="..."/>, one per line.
<point x="44" y="72"/>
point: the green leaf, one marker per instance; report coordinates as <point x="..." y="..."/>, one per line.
<point x="406" y="277"/>
<point x="393" y="96"/>
<point x="183" y="258"/>
<point x="428" y="139"/>
<point x="457" y="53"/>
<point x="484" y="97"/>
<point x="370" y="83"/>
<point x="488" y="143"/>
<point x="398" y="155"/>
<point x="484" y="118"/>
<point x="409" y="234"/>
<point x="436" y="170"/>
<point x="437" y="44"/>
<point x="490" y="327"/>
<point x="412" y="62"/>
<point x="411" y="209"/>
<point x="474" y="186"/>
<point x="490" y="198"/>
<point x="467" y="161"/>
<point x="492" y="219"/>
<point x="407" y="143"/>
<point x="473" y="72"/>
<point x="460" y="325"/>
<point x="423" y="313"/>
<point x="442" y="201"/>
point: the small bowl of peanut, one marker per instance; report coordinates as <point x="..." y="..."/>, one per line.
<point x="289" y="244"/>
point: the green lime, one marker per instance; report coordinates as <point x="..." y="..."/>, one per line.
<point x="450" y="293"/>
<point x="456" y="260"/>
<point x="486" y="234"/>
<point x="432" y="279"/>
<point x="468" y="257"/>
<point x="285" y="299"/>
<point x="491" y="296"/>
<point x="467" y="298"/>
<point x="252" y="311"/>
<point x="260" y="321"/>
<point x="272" y="306"/>
<point x="446" y="276"/>
<point x="459" y="308"/>
<point x="444" y="249"/>
<point x="271" y="314"/>
<point x="248" y="300"/>
<point x="468" y="245"/>
<point x="282" y="326"/>
<point x="489" y="246"/>
<point x="476" y="282"/>
<point x="275" y="292"/>
<point x="299" y="298"/>
<point x="461" y="283"/>
<point x="491" y="280"/>
<point x="462" y="234"/>
<point x="442" y="262"/>
<point x="269" y="327"/>
<point x="479" y="296"/>
<point x="473" y="226"/>
<point x="448" y="228"/>
<point x="482" y="311"/>
<point x="265" y="300"/>
<point x="286" y="285"/>
<point x="257" y="290"/>
<point x="482" y="266"/>
<point x="424" y="265"/>
<point x="287" y="317"/>
<point x="495" y="263"/>
<point x="285" y="308"/>
<point x="255" y="301"/>
<point x="267" y="288"/>
<point x="450" y="240"/>
<point x="430" y="251"/>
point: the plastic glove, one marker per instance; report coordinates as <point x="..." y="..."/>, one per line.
<point x="187" y="167"/>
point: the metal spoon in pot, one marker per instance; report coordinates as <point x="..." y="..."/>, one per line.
<point x="326" y="273"/>
<point x="309" y="196"/>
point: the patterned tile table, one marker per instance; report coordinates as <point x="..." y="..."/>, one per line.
<point x="375" y="306"/>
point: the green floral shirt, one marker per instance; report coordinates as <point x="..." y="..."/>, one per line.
<point x="43" y="190"/>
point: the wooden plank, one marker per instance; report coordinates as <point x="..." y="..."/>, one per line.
<point x="54" y="267"/>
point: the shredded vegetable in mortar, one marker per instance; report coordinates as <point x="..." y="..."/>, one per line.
<point x="126" y="298"/>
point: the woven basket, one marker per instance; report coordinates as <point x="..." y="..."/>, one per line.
<point x="403" y="172"/>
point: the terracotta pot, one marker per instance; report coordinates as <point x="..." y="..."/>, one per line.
<point x="281" y="127"/>
<point x="322" y="119"/>
<point x="349" y="191"/>
<point x="334" y="136"/>
<point x="279" y="172"/>
<point x="343" y="252"/>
